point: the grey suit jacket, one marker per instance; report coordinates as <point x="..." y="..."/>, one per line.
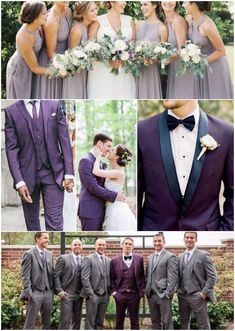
<point x="32" y="271"/>
<point x="64" y="273"/>
<point x="162" y="274"/>
<point x="92" y="274"/>
<point x="203" y="273"/>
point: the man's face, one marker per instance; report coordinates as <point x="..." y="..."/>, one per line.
<point x="190" y="240"/>
<point x="105" y="147"/>
<point x="76" y="246"/>
<point x="43" y="241"/>
<point x="158" y="243"/>
<point x="100" y="246"/>
<point x="174" y="104"/>
<point x="127" y="247"/>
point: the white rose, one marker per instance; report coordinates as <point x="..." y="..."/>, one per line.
<point x="113" y="50"/>
<point x="157" y="50"/>
<point x="185" y="58"/>
<point x="163" y="50"/>
<point x="192" y="47"/>
<point x="124" y="56"/>
<point x="194" y="52"/>
<point x="209" y="142"/>
<point x="196" y="59"/>
<point x="138" y="48"/>
<point x="120" y="45"/>
<point x="79" y="54"/>
<point x="62" y="72"/>
<point x="183" y="52"/>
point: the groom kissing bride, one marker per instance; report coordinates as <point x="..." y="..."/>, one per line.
<point x="101" y="201"/>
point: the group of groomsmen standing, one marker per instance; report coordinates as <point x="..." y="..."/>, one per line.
<point x="95" y="277"/>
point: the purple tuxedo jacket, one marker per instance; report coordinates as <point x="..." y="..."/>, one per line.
<point x="20" y="143"/>
<point x="116" y="273"/>
<point x="92" y="194"/>
<point x="160" y="204"/>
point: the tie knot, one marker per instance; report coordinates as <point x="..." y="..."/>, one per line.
<point x="32" y="102"/>
<point x="188" y="122"/>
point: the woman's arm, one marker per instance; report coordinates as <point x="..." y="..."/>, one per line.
<point x="133" y="28"/>
<point x="209" y="30"/>
<point x="75" y="36"/>
<point x="25" y="43"/>
<point x="105" y="173"/>
<point x="51" y="29"/>
<point x="163" y="32"/>
<point x="180" y="29"/>
<point x="92" y="31"/>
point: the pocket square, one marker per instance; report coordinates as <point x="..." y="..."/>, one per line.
<point x="53" y="114"/>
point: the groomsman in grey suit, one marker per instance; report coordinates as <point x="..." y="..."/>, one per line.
<point x="37" y="278"/>
<point x="197" y="277"/>
<point x="95" y="277"/>
<point x="161" y="280"/>
<point x="68" y="286"/>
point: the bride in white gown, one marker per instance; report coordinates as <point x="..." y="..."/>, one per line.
<point x="118" y="216"/>
<point x="101" y="83"/>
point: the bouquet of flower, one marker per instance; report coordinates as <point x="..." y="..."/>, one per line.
<point x="163" y="52"/>
<point x="72" y="61"/>
<point x="192" y="60"/>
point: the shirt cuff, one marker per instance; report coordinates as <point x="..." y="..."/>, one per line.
<point x="68" y="177"/>
<point x="19" y="184"/>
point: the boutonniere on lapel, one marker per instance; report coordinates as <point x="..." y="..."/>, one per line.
<point x="207" y="143"/>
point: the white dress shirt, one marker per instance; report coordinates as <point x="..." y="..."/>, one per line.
<point x="183" y="144"/>
<point x="129" y="261"/>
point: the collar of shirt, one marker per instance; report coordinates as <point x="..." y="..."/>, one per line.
<point x="40" y="250"/>
<point x="158" y="253"/>
<point x="99" y="256"/>
<point x="29" y="106"/>
<point x="75" y="257"/>
<point x="190" y="252"/>
<point x="92" y="152"/>
<point x="195" y="113"/>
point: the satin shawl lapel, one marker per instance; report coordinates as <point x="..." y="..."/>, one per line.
<point x="45" y="116"/>
<point x="26" y="116"/>
<point x="167" y="158"/>
<point x="197" y="164"/>
<point x="38" y="257"/>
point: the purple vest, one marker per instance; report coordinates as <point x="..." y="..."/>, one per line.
<point x="128" y="280"/>
<point x="40" y="143"/>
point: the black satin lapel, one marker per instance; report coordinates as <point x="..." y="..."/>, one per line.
<point x="197" y="164"/>
<point x="26" y="116"/>
<point x="167" y="158"/>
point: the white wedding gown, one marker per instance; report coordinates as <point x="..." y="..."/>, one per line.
<point x="118" y="216"/>
<point x="101" y="83"/>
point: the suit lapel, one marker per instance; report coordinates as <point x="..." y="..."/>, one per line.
<point x="197" y="164"/>
<point x="158" y="260"/>
<point x="24" y="112"/>
<point x="192" y="259"/>
<point x="38" y="257"/>
<point x="73" y="265"/>
<point x="98" y="263"/>
<point x="167" y="158"/>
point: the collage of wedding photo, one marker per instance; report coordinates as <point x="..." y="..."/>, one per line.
<point x="117" y="165"/>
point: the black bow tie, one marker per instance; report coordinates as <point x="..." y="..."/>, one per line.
<point x="127" y="257"/>
<point x="188" y="122"/>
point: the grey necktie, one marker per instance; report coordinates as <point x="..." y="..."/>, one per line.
<point x="78" y="262"/>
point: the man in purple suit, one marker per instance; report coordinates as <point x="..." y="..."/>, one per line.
<point x="40" y="159"/>
<point x="183" y="157"/>
<point x="127" y="284"/>
<point x="93" y="195"/>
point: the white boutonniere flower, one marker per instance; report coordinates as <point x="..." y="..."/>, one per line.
<point x="207" y="143"/>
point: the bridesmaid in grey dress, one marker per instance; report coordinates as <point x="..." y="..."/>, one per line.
<point x="29" y="40"/>
<point x="148" y="85"/>
<point x="85" y="13"/>
<point x="56" y="32"/>
<point x="185" y="87"/>
<point x="203" y="31"/>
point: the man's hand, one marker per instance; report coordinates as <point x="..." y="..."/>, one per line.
<point x="203" y="296"/>
<point x="68" y="185"/>
<point x="121" y="197"/>
<point x="62" y="295"/>
<point x="24" y="194"/>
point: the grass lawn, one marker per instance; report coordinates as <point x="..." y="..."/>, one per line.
<point x="229" y="53"/>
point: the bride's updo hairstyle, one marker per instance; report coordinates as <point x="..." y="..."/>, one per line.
<point x="203" y="5"/>
<point x="30" y="11"/>
<point x="124" y="155"/>
<point x="107" y="5"/>
<point x="81" y="8"/>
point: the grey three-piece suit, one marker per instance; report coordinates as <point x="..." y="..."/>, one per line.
<point x="68" y="278"/>
<point x="37" y="279"/>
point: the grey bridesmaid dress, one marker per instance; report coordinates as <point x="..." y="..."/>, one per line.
<point x="218" y="84"/>
<point x="45" y="88"/>
<point x="75" y="87"/>
<point x="185" y="87"/>
<point x="18" y="74"/>
<point x="148" y="84"/>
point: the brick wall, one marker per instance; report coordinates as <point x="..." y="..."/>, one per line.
<point x="11" y="254"/>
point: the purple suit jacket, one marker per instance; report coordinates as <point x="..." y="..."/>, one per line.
<point x="160" y="204"/>
<point x="20" y="144"/>
<point x="93" y="194"/>
<point x="116" y="273"/>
